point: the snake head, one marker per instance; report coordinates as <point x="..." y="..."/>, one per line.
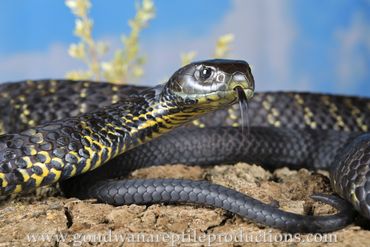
<point x="212" y="83"/>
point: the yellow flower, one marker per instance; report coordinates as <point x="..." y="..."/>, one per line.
<point x="222" y="45"/>
<point x="77" y="51"/>
<point x="79" y="7"/>
<point x="83" y="28"/>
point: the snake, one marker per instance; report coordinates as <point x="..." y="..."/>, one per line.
<point x="83" y="133"/>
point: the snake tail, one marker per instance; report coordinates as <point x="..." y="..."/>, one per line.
<point x="149" y="191"/>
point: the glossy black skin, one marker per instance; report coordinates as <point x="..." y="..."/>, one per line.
<point x="291" y="116"/>
<point x="60" y="149"/>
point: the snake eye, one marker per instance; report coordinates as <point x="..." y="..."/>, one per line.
<point x="205" y="73"/>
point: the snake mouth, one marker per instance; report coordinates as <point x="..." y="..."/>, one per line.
<point x="243" y="86"/>
<point x="242" y="93"/>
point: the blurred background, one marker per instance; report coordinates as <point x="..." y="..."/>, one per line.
<point x="321" y="46"/>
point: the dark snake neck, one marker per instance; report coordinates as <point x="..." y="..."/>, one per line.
<point x="79" y="144"/>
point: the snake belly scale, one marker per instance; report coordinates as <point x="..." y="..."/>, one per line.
<point x="68" y="128"/>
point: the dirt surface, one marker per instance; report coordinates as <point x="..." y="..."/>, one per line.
<point x="57" y="221"/>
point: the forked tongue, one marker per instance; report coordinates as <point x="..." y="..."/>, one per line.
<point x="243" y="105"/>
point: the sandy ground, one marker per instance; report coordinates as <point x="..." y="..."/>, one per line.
<point x="56" y="221"/>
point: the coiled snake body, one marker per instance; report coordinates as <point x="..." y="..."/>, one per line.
<point x="67" y="128"/>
